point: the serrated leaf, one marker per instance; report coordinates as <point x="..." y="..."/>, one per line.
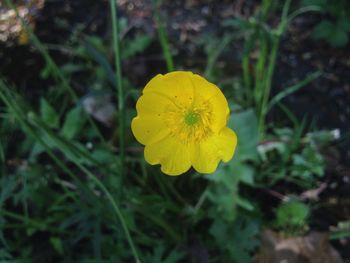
<point x="292" y="213"/>
<point x="57" y="244"/>
<point x="136" y="45"/>
<point x="74" y="122"/>
<point x="48" y="114"/>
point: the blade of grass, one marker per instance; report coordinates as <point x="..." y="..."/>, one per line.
<point x="214" y="55"/>
<point x="120" y="90"/>
<point x="306" y="9"/>
<point x="339" y="235"/>
<point x="276" y="37"/>
<point x="287" y="91"/>
<point x="289" y="114"/>
<point x="102" y="61"/>
<point x="163" y="39"/>
<point x="260" y="71"/>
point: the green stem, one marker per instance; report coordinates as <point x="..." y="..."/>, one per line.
<point x="214" y="54"/>
<point x="267" y="86"/>
<point x="276" y="37"/>
<point x="120" y="90"/>
<point x="163" y="37"/>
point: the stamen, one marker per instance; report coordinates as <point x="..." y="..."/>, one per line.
<point x="190" y="124"/>
<point x="191" y="118"/>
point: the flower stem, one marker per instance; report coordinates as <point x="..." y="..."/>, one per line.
<point x="276" y="37"/>
<point x="163" y="36"/>
<point x="120" y="90"/>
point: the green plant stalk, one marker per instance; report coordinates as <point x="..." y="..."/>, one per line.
<point x="271" y="67"/>
<point x="2" y="158"/>
<point x="289" y="114"/>
<point x="260" y="72"/>
<point x="267" y="87"/>
<point x="163" y="39"/>
<point x="53" y="66"/>
<point x="289" y="90"/>
<point x="339" y="235"/>
<point x="214" y="55"/>
<point x="266" y="7"/>
<point x="120" y="90"/>
<point x="246" y="79"/>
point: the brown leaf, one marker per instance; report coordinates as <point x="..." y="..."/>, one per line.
<point x="313" y="248"/>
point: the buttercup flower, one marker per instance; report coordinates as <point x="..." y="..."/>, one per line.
<point x="181" y="119"/>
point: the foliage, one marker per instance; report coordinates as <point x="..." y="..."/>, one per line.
<point x="335" y="27"/>
<point x="292" y="216"/>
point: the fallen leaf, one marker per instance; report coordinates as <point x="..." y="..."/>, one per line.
<point x="313" y="248"/>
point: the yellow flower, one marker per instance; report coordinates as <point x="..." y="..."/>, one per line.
<point x="182" y="122"/>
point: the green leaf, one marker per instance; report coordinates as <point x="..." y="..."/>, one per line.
<point x="308" y="163"/>
<point x="48" y="114"/>
<point x="237" y="239"/>
<point x="334" y="34"/>
<point x="57" y="244"/>
<point x="101" y="59"/>
<point x="136" y="45"/>
<point x="244" y="203"/>
<point x="74" y="122"/>
<point x="338" y="37"/>
<point x="289" y="90"/>
<point x="320" y="3"/>
<point x="323" y="30"/>
<point x="245" y="124"/>
<point x="292" y="214"/>
<point x="239" y="23"/>
<point x="344" y="23"/>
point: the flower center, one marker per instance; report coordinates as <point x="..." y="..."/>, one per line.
<point x="191" y="118"/>
<point x="190" y="123"/>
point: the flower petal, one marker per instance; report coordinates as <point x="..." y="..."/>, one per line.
<point x="176" y="86"/>
<point x="204" y="88"/>
<point x="152" y="104"/>
<point x="208" y="93"/>
<point x="220" y="111"/>
<point x="217" y="147"/>
<point x="150" y="125"/>
<point x="174" y="156"/>
<point x="148" y="129"/>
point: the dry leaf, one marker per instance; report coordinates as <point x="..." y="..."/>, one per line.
<point x="313" y="248"/>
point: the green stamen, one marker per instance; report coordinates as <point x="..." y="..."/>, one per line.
<point x="191" y="118"/>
